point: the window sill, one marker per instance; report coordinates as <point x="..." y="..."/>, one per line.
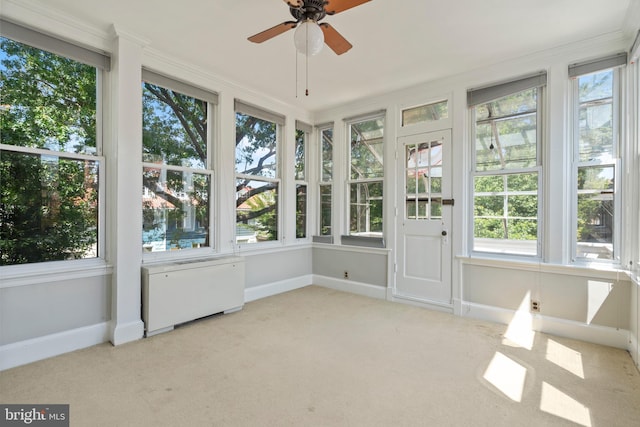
<point x="53" y="271"/>
<point x="602" y="271"/>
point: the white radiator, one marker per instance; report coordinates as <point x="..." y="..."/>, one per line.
<point x="187" y="290"/>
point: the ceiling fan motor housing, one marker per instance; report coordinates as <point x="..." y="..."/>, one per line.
<point x="310" y="10"/>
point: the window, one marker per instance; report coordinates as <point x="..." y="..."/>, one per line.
<point x="596" y="89"/>
<point x="326" y="180"/>
<point x="506" y="166"/>
<point x="257" y="174"/>
<point x="366" y="175"/>
<point x="423" y="169"/>
<point x="177" y="173"/>
<point x="50" y="153"/>
<point x="425" y="113"/>
<point x="303" y="131"/>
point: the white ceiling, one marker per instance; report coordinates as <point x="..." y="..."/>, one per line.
<point x="397" y="43"/>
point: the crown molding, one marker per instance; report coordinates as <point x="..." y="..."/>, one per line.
<point x="631" y="24"/>
<point x="116" y="31"/>
<point x="48" y="20"/>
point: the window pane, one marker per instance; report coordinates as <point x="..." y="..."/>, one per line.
<point x="255" y="146"/>
<point x="301" y="211"/>
<point x="506" y="132"/>
<point x="325" y="210"/>
<point x="48" y="101"/>
<point x="367" y="149"/>
<point x="175" y="210"/>
<point x="506" y="143"/>
<point x="595" y="212"/>
<point x="300" y="154"/>
<point x="256" y="211"/>
<point x="517" y="103"/>
<point x="366" y="208"/>
<point x="327" y="155"/>
<point x="506" y="213"/>
<point x="595" y="92"/>
<point x="48" y="208"/>
<point x="174" y="128"/>
<point x="425" y="113"/>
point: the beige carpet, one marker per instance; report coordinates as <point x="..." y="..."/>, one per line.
<point x="318" y="357"/>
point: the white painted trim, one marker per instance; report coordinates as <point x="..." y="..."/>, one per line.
<point x="275" y="288"/>
<point x="44" y="18"/>
<point x="596" y="334"/>
<point x="359" y="288"/>
<point x="126" y="332"/>
<point x="352" y="248"/>
<point x="593" y="271"/>
<point x="417" y="302"/>
<point x="632" y="349"/>
<point x="32" y="350"/>
<point x="50" y="272"/>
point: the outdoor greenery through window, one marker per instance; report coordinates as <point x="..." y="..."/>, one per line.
<point x="507" y="173"/>
<point x="302" y="135"/>
<point x="423" y="169"/>
<point x="595" y="164"/>
<point x="326" y="180"/>
<point x="257" y="175"/>
<point x="176" y="172"/>
<point x="366" y="174"/>
<point x="50" y="163"/>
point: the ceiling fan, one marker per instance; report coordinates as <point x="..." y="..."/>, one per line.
<point x="313" y="11"/>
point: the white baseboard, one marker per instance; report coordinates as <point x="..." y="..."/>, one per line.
<point x="350" y="286"/>
<point x="269" y="289"/>
<point x="634" y="349"/>
<point x="28" y="351"/>
<point x="123" y="333"/>
<point x="596" y="334"/>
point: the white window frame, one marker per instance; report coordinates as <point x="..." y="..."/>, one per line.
<point x="376" y="238"/>
<point x="102" y="64"/>
<point x="613" y="63"/>
<point x="494" y="92"/>
<point x="322" y="182"/>
<point x="306" y="131"/>
<point x="212" y="100"/>
<point x="279" y="121"/>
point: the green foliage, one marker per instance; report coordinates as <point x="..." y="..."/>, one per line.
<point x="48" y="204"/>
<point x="506" y="206"/>
<point x="51" y="99"/>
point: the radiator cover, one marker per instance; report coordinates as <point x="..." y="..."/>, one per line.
<point x="182" y="291"/>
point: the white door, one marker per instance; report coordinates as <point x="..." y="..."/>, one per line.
<point x="425" y="209"/>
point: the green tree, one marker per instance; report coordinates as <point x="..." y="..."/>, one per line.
<point x="48" y="203"/>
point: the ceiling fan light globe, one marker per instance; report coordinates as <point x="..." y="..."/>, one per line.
<point x="308" y="38"/>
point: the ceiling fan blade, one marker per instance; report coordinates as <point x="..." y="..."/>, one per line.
<point x="294" y="3"/>
<point x="272" y="32"/>
<point x="337" y="6"/>
<point x="334" y="39"/>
